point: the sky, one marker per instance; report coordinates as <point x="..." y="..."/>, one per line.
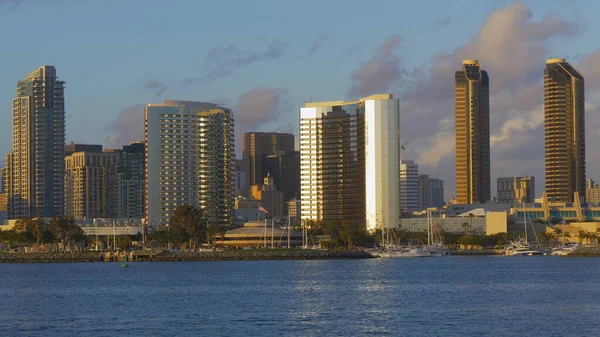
<point x="265" y="58"/>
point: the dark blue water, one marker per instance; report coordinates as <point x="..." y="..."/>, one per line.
<point x="453" y="296"/>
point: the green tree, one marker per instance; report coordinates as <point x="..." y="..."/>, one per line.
<point x="215" y="233"/>
<point x="65" y="231"/>
<point x="188" y="225"/>
<point x="124" y="242"/>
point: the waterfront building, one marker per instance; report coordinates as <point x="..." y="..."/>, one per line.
<point x="259" y="234"/>
<point x="515" y="189"/>
<point x="409" y="186"/>
<point x="472" y="113"/>
<point x="190" y="159"/>
<point x="34" y="171"/>
<point x="130" y="193"/>
<point x="90" y="183"/>
<point x="564" y="130"/>
<point x="284" y="167"/>
<point x="256" y="146"/>
<point x="350" y="160"/>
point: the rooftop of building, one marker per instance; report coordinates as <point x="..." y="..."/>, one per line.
<point x="337" y="103"/>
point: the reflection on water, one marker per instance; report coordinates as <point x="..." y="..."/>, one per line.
<point x="454" y="296"/>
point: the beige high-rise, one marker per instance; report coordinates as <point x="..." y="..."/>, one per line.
<point x="564" y="129"/>
<point x="34" y="170"/>
<point x="90" y="184"/>
<point x="472" y="113"/>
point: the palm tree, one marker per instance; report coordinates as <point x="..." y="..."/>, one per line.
<point x="583" y="235"/>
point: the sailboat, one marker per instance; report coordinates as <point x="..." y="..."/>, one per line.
<point x="435" y="243"/>
<point x="392" y="250"/>
<point x="522" y="247"/>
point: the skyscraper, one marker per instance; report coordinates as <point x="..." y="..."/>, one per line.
<point x="472" y="113"/>
<point x="409" y="186"/>
<point x="190" y="159"/>
<point x="431" y="192"/>
<point x="349" y="161"/>
<point x="130" y="181"/>
<point x="284" y="168"/>
<point x="256" y="146"/>
<point x="564" y="129"/>
<point x="35" y="169"/>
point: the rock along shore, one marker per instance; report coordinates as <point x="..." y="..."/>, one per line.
<point x="236" y="255"/>
<point x="585" y="252"/>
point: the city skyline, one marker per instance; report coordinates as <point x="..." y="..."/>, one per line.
<point x="269" y="75"/>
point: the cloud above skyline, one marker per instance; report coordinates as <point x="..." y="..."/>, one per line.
<point x="220" y="62"/>
<point x="512" y="47"/>
<point x="317" y="44"/>
<point x="127" y="128"/>
<point x="380" y="73"/>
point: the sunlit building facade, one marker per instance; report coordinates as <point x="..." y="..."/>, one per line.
<point x="472" y="116"/>
<point x="350" y="161"/>
<point x="190" y="159"/>
<point x="34" y="170"/>
<point x="564" y="128"/>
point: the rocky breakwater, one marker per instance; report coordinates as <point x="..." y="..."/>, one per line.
<point x="585" y="252"/>
<point x="260" y="254"/>
<point x="51" y="257"/>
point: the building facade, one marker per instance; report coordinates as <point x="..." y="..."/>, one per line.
<point x="256" y="146"/>
<point x="431" y="192"/>
<point x="190" y="159"/>
<point x="592" y="191"/>
<point x="409" y="186"/>
<point x="130" y="193"/>
<point x="271" y="199"/>
<point x="515" y="190"/>
<point x="284" y="168"/>
<point x="472" y="122"/>
<point x="564" y="130"/>
<point x="349" y="162"/>
<point x="436" y="192"/>
<point x="90" y="184"/>
<point x="35" y="169"/>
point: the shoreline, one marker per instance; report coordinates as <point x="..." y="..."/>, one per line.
<point x="237" y="255"/>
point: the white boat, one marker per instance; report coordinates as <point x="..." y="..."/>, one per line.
<point x="520" y="248"/>
<point x="565" y="250"/>
<point x="405" y="252"/>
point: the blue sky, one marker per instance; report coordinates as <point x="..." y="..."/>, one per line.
<point x="266" y="58"/>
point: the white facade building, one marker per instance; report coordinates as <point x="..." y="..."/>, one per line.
<point x="349" y="161"/>
<point x="409" y="186"/>
<point x="190" y="160"/>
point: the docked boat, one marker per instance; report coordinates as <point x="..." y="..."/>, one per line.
<point x="565" y="250"/>
<point x="405" y="252"/>
<point x="521" y="248"/>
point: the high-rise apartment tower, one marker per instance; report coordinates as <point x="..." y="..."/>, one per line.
<point x="564" y="129"/>
<point x="350" y="162"/>
<point x="35" y="169"/>
<point x="472" y="113"/>
<point x="190" y="159"/>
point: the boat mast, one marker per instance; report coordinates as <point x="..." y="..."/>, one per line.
<point x="525" y="222"/>
<point x="289" y="223"/>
